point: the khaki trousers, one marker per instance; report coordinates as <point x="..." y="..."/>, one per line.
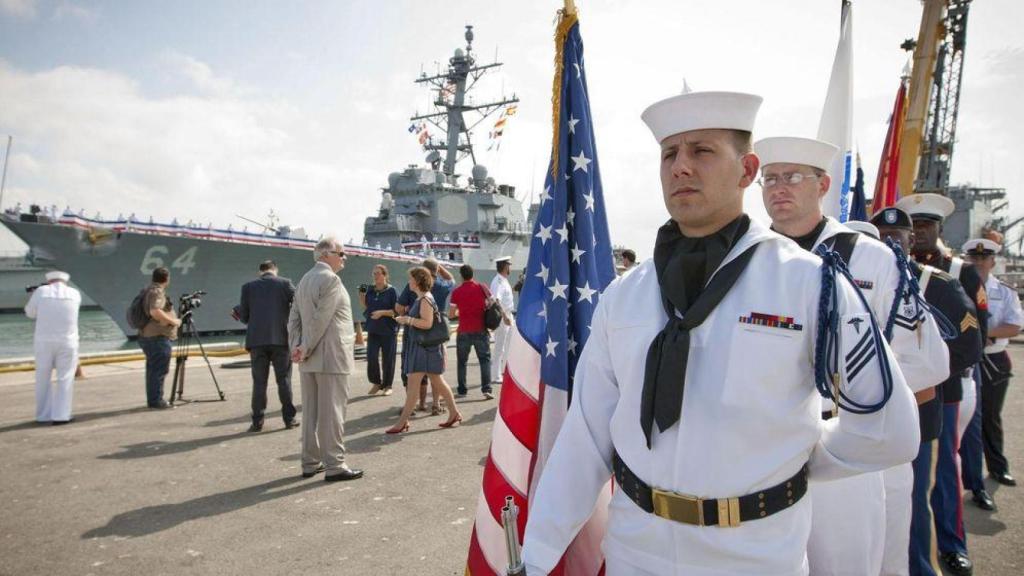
<point x="324" y="402"/>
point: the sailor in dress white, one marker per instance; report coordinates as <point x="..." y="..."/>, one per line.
<point x="751" y="416"/>
<point x="849" y="531"/>
<point x="501" y="290"/>
<point x="54" y="307"/>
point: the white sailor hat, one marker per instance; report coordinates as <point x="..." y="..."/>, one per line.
<point x="702" y="111"/>
<point x="793" y="150"/>
<point x="926" y="206"/>
<point x="981" y="247"/>
<point x="863" y="227"/>
<point x="502" y="259"/>
<point x="57" y="275"/>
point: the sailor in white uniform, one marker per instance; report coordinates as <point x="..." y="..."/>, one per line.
<point x="710" y="417"/>
<point x="1005" y="320"/>
<point x="501" y="290"/>
<point x="848" y="534"/>
<point x="54" y="307"/>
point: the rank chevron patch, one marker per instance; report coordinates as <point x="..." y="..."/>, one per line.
<point x="969" y="322"/>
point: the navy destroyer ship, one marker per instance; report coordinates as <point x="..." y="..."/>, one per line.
<point x="429" y="210"/>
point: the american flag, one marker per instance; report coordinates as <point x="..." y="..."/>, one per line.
<point x="570" y="264"/>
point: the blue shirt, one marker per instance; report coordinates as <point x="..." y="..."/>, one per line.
<point x="441" y="290"/>
<point x="382" y="300"/>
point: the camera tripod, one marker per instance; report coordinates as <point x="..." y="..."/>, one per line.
<point x="186" y="332"/>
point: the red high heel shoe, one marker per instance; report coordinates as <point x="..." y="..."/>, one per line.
<point x="451" y="423"/>
<point x="394" y="430"/>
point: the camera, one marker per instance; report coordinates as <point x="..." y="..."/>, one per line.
<point x="189" y="302"/>
<point x="32" y="288"/>
<point x="364" y="288"/>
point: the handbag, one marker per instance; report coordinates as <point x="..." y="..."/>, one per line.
<point x="437" y="334"/>
<point x="493" y="314"/>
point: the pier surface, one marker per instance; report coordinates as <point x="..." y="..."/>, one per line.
<point x="125" y="490"/>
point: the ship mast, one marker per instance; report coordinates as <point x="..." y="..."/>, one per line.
<point x="451" y="106"/>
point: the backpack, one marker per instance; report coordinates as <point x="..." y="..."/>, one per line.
<point x="137" y="314"/>
<point x="493" y="314"/>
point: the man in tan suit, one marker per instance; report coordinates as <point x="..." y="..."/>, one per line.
<point x="322" y="339"/>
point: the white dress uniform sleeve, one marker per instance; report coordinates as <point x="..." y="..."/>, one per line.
<point x="920" y="351"/>
<point x="857" y="443"/>
<point x="1012" y="313"/>
<point x="581" y="461"/>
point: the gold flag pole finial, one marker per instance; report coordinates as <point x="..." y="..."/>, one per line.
<point x="570" y="7"/>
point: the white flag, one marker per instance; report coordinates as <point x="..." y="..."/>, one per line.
<point x="836" y="124"/>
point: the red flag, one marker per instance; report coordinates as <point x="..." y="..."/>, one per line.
<point x="887" y="180"/>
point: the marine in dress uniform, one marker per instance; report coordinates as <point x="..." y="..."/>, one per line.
<point x="849" y="518"/>
<point x="1004" y="322"/>
<point x="54" y="307"/>
<point x="944" y="294"/>
<point x="696" y="388"/>
<point x="928" y="212"/>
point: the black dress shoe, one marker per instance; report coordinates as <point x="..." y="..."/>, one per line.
<point x="958" y="564"/>
<point x="256" y="427"/>
<point x="318" y="470"/>
<point x="161" y="405"/>
<point x="291" y="424"/>
<point x="1004" y="478"/>
<point x="344" y="474"/>
<point x="983" y="500"/>
<point x="62" y="422"/>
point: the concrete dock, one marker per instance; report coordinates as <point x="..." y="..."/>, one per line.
<point x="125" y="490"/>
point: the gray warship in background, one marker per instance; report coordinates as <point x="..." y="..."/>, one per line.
<point x="424" y="211"/>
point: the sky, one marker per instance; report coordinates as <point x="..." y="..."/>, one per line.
<point x="214" y="109"/>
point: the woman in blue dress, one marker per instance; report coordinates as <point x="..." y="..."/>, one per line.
<point x="424" y="360"/>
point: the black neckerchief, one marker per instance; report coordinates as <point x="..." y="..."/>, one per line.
<point x="683" y="266"/>
<point x="808" y="241"/>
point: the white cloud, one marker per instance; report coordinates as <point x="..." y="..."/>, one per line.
<point x="89" y="139"/>
<point x="72" y="11"/>
<point x="19" y="8"/>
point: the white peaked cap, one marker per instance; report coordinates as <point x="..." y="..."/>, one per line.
<point x="503" y="259"/>
<point x="981" y="246"/>
<point x="793" y="150"/>
<point x="863" y="227"/>
<point x="926" y="204"/>
<point x="57" y="275"/>
<point x="702" y="111"/>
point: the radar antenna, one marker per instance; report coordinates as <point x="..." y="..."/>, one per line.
<point x="450" y="105"/>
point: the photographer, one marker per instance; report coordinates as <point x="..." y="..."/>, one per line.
<point x="378" y="302"/>
<point x="156" y="335"/>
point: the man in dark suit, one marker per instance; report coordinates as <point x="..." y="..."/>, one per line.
<point x="264" y="308"/>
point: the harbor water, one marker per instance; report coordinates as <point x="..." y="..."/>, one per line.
<point x="97" y="332"/>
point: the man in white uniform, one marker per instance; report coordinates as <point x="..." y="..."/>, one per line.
<point x="54" y="307"/>
<point x="709" y="416"/>
<point x="501" y="290"/>
<point x="1005" y="319"/>
<point x="850" y="516"/>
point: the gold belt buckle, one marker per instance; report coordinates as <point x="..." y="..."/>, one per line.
<point x="728" y="512"/>
<point x="678" y="507"/>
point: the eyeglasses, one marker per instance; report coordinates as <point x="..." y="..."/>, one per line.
<point x="337" y="253"/>
<point x="790" y="178"/>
